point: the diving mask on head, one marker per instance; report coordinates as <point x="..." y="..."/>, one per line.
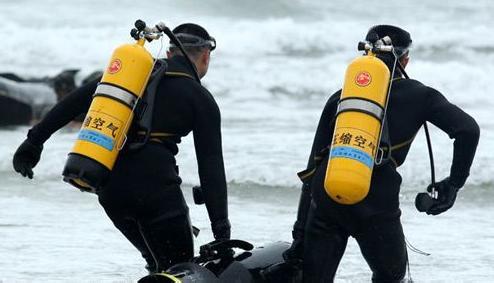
<point x="189" y="40"/>
<point x="401" y="38"/>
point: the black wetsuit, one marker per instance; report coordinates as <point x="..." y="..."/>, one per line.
<point x="142" y="196"/>
<point x="375" y="221"/>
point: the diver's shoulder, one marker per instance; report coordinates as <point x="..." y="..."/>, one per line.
<point x="200" y="94"/>
<point x="429" y="90"/>
<point x="412" y="86"/>
<point x="415" y="91"/>
<point x="408" y="82"/>
<point x="199" y="88"/>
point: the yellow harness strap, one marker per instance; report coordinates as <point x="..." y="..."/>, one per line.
<point x="402" y="144"/>
<point x="306" y="174"/>
<point x="398" y="146"/>
<point x="178" y="74"/>
<point x="156" y="136"/>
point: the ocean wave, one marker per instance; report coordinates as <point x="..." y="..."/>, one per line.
<point x="271" y="74"/>
<point x="268" y="152"/>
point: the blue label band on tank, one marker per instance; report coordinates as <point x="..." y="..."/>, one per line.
<point x="352" y="153"/>
<point x="96" y="138"/>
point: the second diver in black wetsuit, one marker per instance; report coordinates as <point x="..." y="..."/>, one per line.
<point x="142" y="196"/>
<point x="323" y="226"/>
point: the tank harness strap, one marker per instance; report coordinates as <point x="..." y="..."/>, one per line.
<point x="144" y="116"/>
<point x="178" y="74"/>
<point x="307" y="174"/>
<point x="399" y="146"/>
<point x="385" y="147"/>
<point x="116" y="92"/>
<point x="391" y="158"/>
<point x="403" y="144"/>
<point x="362" y="105"/>
<point x="158" y="137"/>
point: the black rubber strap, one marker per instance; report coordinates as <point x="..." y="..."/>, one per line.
<point x="360" y="105"/>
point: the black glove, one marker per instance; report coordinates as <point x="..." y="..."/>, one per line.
<point x="221" y="229"/>
<point x="446" y="196"/>
<point x="26" y="157"/>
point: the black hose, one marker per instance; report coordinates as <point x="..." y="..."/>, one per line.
<point x="141" y="27"/>
<point x="431" y="156"/>
<point x="177" y="42"/>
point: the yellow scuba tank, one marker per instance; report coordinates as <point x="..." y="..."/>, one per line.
<point x="358" y="127"/>
<point x="104" y="129"/>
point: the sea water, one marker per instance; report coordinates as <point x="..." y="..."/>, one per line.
<point x="276" y="64"/>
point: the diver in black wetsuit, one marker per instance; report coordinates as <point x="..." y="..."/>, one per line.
<point x="142" y="196"/>
<point x="323" y="226"/>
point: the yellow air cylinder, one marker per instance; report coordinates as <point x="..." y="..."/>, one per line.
<point x="357" y="130"/>
<point x="104" y="129"/>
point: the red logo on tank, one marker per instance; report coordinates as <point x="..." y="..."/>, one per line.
<point x="363" y="79"/>
<point x="115" y="66"/>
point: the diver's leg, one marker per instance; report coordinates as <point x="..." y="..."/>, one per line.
<point x="130" y="229"/>
<point x="383" y="246"/>
<point x="169" y="240"/>
<point x="164" y="222"/>
<point x="324" y="245"/>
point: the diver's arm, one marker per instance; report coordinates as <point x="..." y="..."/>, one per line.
<point x="28" y="153"/>
<point x="75" y="103"/>
<point x="459" y="126"/>
<point x="207" y="142"/>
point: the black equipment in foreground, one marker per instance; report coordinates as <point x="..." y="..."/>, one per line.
<point x="218" y="263"/>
